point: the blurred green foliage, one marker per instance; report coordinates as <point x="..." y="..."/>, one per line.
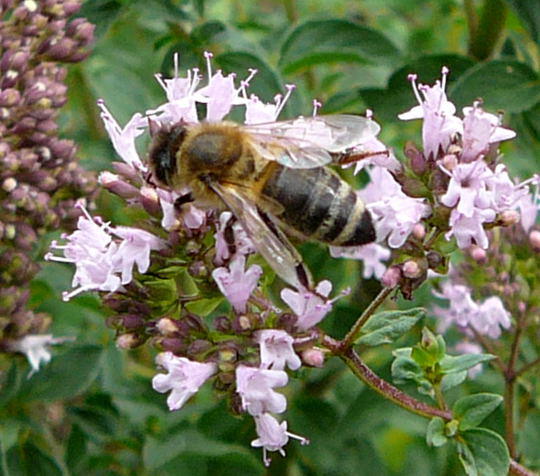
<point x="92" y="410"/>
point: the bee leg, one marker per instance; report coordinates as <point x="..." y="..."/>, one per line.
<point x="228" y="234"/>
<point x="346" y="158"/>
<point x="182" y="200"/>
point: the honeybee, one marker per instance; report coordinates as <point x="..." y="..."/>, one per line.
<point x="273" y="178"/>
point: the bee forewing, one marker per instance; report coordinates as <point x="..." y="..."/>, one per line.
<point x="271" y="243"/>
<point x="308" y="142"/>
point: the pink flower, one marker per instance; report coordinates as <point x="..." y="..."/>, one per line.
<point x="237" y="284"/>
<point x="491" y="317"/>
<point x="372" y="256"/>
<point x="469" y="230"/>
<point x="124" y="139"/>
<point x="309" y="307"/>
<point x="440" y="123"/>
<point x="255" y="387"/>
<point x="134" y="248"/>
<point x="99" y="259"/>
<point x="272" y="436"/>
<point x="258" y="112"/>
<point x="486" y="318"/>
<point x="480" y="129"/>
<point x="394" y="213"/>
<point x="529" y="205"/>
<point x="184" y="378"/>
<point x="277" y="350"/>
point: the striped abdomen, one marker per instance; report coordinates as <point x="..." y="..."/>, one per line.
<point x="320" y="205"/>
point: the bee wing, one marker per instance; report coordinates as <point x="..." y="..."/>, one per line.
<point x="308" y="142"/>
<point x="268" y="239"/>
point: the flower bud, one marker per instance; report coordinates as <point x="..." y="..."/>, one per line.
<point x="313" y="357"/>
<point x="534" y="240"/>
<point x="411" y="269"/>
<point x="198" y="347"/>
<point x="417" y="161"/>
<point x="391" y="277"/>
<point x="9" y="97"/>
<point x="149" y="200"/>
<point x="222" y="324"/>
<point x="167" y="327"/>
<point x="132" y="321"/>
<point x="128" y="341"/>
<point x="114" y="184"/>
<point x="450" y="162"/>
<point x="478" y="254"/>
<point x="419" y="231"/>
<point x="174" y="345"/>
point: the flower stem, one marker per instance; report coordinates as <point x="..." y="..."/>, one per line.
<point x="528" y="367"/>
<point x="381" y="386"/>
<point x="353" y="334"/>
<point x="388" y="391"/>
<point x="489" y="29"/>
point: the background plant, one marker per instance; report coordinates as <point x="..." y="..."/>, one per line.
<point x="104" y="415"/>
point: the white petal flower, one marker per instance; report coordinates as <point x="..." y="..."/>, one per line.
<point x="255" y="387"/>
<point x="184" y="378"/>
<point x="277" y="350"/>
<point x="272" y="436"/>
<point x="36" y="348"/>
<point x="236" y="283"/>
<point x="372" y="256"/>
<point x="309" y="307"/>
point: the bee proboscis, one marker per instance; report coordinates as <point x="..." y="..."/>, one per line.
<point x="273" y="178"/>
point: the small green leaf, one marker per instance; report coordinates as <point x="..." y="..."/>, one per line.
<point x="385" y="327"/>
<point x="28" y="459"/>
<point x="67" y="375"/>
<point x="435" y="432"/>
<point x="472" y="409"/>
<point x="483" y="453"/>
<point x="206" y="32"/>
<point x="451" y="363"/>
<point x="453" y="379"/>
<point x="203" y="307"/>
<point x="512" y="86"/>
<point x="334" y="40"/>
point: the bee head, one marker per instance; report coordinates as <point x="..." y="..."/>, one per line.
<point x="166" y="141"/>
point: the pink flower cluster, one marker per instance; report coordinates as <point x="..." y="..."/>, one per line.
<point x="478" y="192"/>
<point x="486" y="318"/>
<point x="104" y="256"/>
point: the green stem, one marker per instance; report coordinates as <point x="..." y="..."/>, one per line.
<point x="291" y="10"/>
<point x="353" y="334"/>
<point x="381" y="386"/>
<point x="527" y="367"/>
<point x="472" y="17"/>
<point x="490" y="29"/>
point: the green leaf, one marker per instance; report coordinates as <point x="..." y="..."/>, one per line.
<point x="29" y="460"/>
<point x="435" y="432"/>
<point x="451" y="363"/>
<point x="385" y="327"/>
<point x="158" y="452"/>
<point x="529" y="13"/>
<point x="472" y="409"/>
<point x="66" y="376"/>
<point x="206" y="32"/>
<point x="203" y="307"/>
<point x="483" y="453"/>
<point x="334" y="40"/>
<point x="512" y="86"/>
<point x="10" y="383"/>
<point x="399" y="97"/>
<point x="453" y="379"/>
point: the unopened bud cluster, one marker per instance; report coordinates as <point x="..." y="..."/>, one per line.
<point x="39" y="176"/>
